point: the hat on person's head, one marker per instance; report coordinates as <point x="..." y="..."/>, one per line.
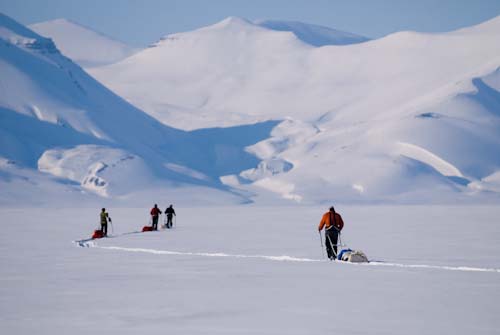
<point x="332" y="209"/>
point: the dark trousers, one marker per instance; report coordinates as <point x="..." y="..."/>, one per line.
<point x="155" y="222"/>
<point x="104" y="228"/>
<point x="169" y="221"/>
<point x="331" y="238"/>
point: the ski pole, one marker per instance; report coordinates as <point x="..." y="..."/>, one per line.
<point x="112" y="229"/>
<point x="321" y="241"/>
<point x="340" y="242"/>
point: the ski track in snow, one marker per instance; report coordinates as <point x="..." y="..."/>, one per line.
<point x="285" y="258"/>
<point x="437" y="267"/>
<point x="208" y="254"/>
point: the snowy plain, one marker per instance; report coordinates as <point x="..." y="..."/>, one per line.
<point x="251" y="270"/>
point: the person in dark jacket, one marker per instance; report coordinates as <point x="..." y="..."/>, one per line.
<point x="170" y="213"/>
<point x="104" y="222"/>
<point x="333" y="224"/>
<point x="155" y="211"/>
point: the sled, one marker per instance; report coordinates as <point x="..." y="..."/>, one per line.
<point x="352" y="256"/>
<point x="147" y="228"/>
<point x="97" y="234"/>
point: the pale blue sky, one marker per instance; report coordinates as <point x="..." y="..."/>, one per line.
<point x="140" y="22"/>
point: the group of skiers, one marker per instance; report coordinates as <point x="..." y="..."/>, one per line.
<point x="331" y="221"/>
<point x="155" y="212"/>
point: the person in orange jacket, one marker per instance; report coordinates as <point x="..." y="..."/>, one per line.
<point x="155" y="211"/>
<point x="333" y="224"/>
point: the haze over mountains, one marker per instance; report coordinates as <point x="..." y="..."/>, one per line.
<point x="314" y="116"/>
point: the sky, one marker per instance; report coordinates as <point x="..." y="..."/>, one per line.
<point x="142" y="22"/>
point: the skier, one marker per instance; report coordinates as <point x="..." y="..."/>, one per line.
<point x="170" y="212"/>
<point x="104" y="222"/>
<point x="155" y="211"/>
<point x="333" y="224"/>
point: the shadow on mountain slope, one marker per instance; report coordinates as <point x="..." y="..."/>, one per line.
<point x="221" y="151"/>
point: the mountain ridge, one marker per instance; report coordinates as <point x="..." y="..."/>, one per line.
<point x="87" y="47"/>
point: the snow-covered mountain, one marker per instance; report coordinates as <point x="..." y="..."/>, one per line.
<point x="408" y="117"/>
<point x="313" y="34"/>
<point x="65" y="136"/>
<point x="83" y="45"/>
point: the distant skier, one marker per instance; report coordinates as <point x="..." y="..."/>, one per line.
<point x="155" y="211"/>
<point x="104" y="222"/>
<point x="333" y="224"/>
<point x="170" y="212"/>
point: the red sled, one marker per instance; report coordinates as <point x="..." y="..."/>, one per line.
<point x="98" y="234"/>
<point x="147" y="228"/>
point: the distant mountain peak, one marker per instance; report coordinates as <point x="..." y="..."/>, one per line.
<point x="17" y="34"/>
<point x="310" y="34"/>
<point x="62" y="20"/>
<point x="232" y="23"/>
<point x="233" y="20"/>
<point x="313" y="34"/>
<point x="87" y="47"/>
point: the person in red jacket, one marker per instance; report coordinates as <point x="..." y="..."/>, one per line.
<point x="155" y="211"/>
<point x="333" y="224"/>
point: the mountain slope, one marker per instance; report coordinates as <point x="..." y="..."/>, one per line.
<point x="382" y="120"/>
<point x="60" y="127"/>
<point x="86" y="47"/>
<point x="313" y="34"/>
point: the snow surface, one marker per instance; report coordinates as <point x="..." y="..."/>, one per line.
<point x="251" y="270"/>
<point x="85" y="46"/>
<point x="95" y="167"/>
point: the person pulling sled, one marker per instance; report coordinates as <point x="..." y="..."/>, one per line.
<point x="103" y="232"/>
<point x="333" y="224"/>
<point x="155" y="212"/>
<point x="104" y="222"/>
